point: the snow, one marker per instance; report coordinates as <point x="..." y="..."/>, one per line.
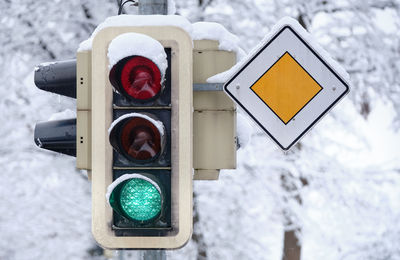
<point x="158" y="124"/>
<point x="217" y="32"/>
<point x="44" y="64"/>
<point x="244" y="130"/>
<point x="171" y="7"/>
<point x="66" y="114"/>
<point x="125" y="177"/>
<point x="86" y="45"/>
<point x="136" y="44"/>
<point x="386" y="20"/>
<point x="311" y="41"/>
<point x="226" y="75"/>
<point x="198" y="31"/>
<point x="138" y="20"/>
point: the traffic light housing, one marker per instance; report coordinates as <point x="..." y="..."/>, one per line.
<point x="119" y="121"/>
<point x="108" y="109"/>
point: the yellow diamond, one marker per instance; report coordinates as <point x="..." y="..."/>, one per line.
<point x="286" y="88"/>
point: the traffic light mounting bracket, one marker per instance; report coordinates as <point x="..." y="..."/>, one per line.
<point x="214" y="117"/>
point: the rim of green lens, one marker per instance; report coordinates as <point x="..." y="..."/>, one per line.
<point x="141" y="199"/>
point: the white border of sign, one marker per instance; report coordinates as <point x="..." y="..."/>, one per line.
<point x="288" y="39"/>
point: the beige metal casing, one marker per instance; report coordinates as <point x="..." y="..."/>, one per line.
<point x="181" y="138"/>
<point x="84" y="106"/>
<point x="214" y="118"/>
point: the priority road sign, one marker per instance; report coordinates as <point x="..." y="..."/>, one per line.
<point x="288" y="85"/>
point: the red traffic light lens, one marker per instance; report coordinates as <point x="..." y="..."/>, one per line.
<point x="141" y="78"/>
<point x="140" y="139"/>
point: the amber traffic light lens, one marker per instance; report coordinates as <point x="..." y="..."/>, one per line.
<point x="141" y="139"/>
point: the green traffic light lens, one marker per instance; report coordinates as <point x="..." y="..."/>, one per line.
<point x="141" y="200"/>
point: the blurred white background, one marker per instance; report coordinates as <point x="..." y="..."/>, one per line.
<point x="338" y="190"/>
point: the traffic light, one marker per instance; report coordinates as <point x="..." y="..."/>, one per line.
<point x="134" y="128"/>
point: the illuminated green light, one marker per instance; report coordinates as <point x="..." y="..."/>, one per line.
<point x="140" y="199"/>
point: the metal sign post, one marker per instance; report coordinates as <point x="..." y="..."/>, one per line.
<point x="153" y="7"/>
<point x="150" y="7"/>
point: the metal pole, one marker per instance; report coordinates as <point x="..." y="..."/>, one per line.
<point x="153" y="7"/>
<point x="148" y="7"/>
<point x="154" y="255"/>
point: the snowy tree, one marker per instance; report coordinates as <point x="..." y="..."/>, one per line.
<point x="352" y="32"/>
<point x="45" y="208"/>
